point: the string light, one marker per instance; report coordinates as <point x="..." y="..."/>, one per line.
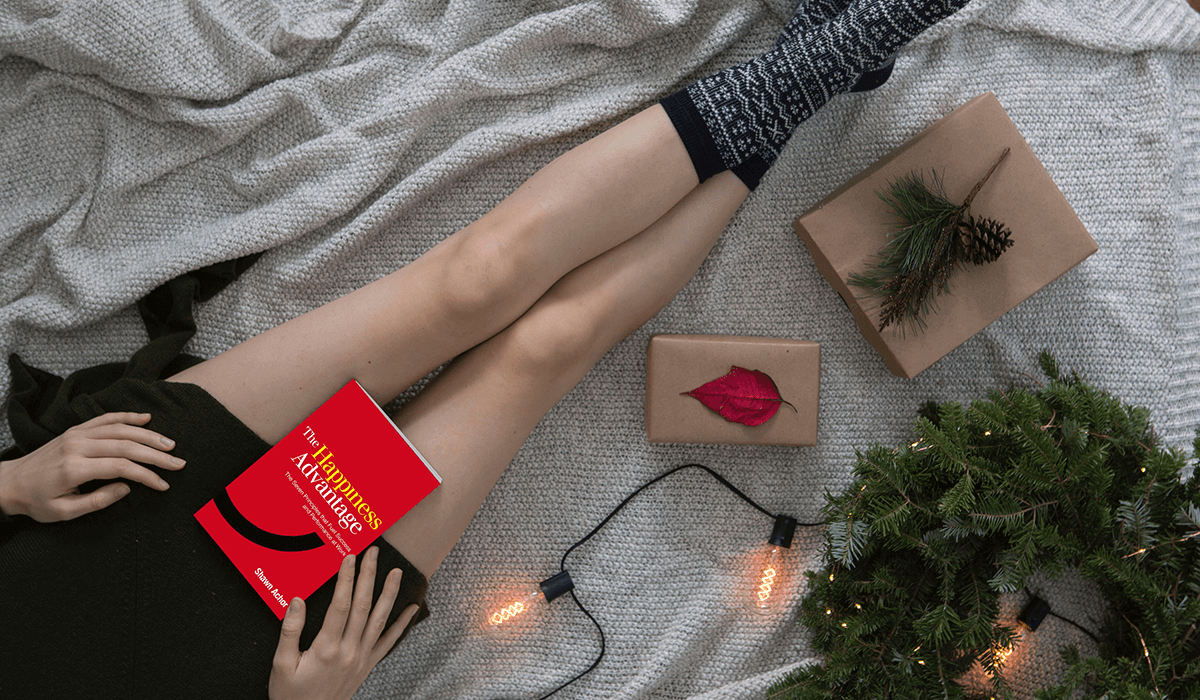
<point x="774" y="572"/>
<point x="772" y="579"/>
<point x="520" y="612"/>
<point x="1002" y="652"/>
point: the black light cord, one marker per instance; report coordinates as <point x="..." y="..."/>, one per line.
<point x="1077" y="626"/>
<point x="599" y="656"/>
<point x="1051" y="613"/>
<point x="563" y="562"/>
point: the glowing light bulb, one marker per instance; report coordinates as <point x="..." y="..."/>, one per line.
<point x="1003" y="653"/>
<point x="770" y="580"/>
<point x="773" y="574"/>
<point x="515" y="614"/>
<point x="520" y="613"/>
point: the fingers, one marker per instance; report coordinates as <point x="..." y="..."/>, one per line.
<point x="363" y="588"/>
<point x="126" y="427"/>
<point x="138" y="444"/>
<point x="389" y="639"/>
<point x="115" y="468"/>
<point x="287" y="653"/>
<point x="379" y="616"/>
<point x="132" y="451"/>
<point x="110" y="446"/>
<point x="118" y="417"/>
<point x="339" y="608"/>
<point x="70" y="507"/>
<point x="383" y="607"/>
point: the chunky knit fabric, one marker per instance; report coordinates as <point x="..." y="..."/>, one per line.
<point x="743" y="115"/>
<point x="348" y="157"/>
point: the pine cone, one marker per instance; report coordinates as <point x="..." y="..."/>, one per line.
<point x="982" y="239"/>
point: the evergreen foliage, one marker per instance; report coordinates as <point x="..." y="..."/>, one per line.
<point x="920" y="547"/>
<point x="935" y="237"/>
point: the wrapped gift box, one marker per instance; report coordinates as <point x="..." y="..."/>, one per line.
<point x="676" y="364"/>
<point x="845" y="231"/>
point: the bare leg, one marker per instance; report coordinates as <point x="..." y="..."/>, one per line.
<point x="471" y="420"/>
<point x="467" y="288"/>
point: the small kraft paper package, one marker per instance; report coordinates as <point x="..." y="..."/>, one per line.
<point x="846" y="230"/>
<point x="328" y="489"/>
<point x="678" y="364"/>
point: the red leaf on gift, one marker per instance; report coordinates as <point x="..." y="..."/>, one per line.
<point x="744" y="396"/>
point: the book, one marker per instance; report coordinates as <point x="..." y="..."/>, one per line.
<point x="329" y="488"/>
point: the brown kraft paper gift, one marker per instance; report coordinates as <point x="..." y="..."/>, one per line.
<point x="845" y="231"/>
<point x="680" y="363"/>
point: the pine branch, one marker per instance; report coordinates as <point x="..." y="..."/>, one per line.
<point x="935" y="237"/>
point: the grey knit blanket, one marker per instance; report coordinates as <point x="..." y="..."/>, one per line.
<point x="139" y="140"/>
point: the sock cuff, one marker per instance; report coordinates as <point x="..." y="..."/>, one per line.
<point x="751" y="170"/>
<point x="688" y="122"/>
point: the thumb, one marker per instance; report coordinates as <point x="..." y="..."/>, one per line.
<point x="287" y="654"/>
<point x="75" y="505"/>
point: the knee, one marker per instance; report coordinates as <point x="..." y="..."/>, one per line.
<point x="553" y="345"/>
<point x="481" y="275"/>
<point x="492" y="265"/>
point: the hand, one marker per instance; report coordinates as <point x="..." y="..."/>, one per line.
<point x="44" y="484"/>
<point x="349" y="643"/>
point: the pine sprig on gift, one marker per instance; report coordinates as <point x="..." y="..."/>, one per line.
<point x="930" y="533"/>
<point x="935" y="237"/>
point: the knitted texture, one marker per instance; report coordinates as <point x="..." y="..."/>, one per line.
<point x="750" y="110"/>
<point x="809" y="14"/>
<point x="137" y="144"/>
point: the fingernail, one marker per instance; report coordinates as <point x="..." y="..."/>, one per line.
<point x="122" y="490"/>
<point x="167" y="441"/>
<point x="176" y="460"/>
<point x="163" y="485"/>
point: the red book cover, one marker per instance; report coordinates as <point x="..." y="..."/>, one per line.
<point x="327" y="489"/>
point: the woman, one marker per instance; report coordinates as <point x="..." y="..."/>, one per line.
<point x="118" y="583"/>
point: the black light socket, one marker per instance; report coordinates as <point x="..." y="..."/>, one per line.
<point x="557" y="585"/>
<point x="1035" y="611"/>
<point x="785" y="529"/>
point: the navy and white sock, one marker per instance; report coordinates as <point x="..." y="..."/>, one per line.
<point x="812" y="13"/>
<point x="809" y="14"/>
<point x="743" y="115"/>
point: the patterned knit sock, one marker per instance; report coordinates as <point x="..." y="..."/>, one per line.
<point x="811" y="13"/>
<point x="748" y="111"/>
